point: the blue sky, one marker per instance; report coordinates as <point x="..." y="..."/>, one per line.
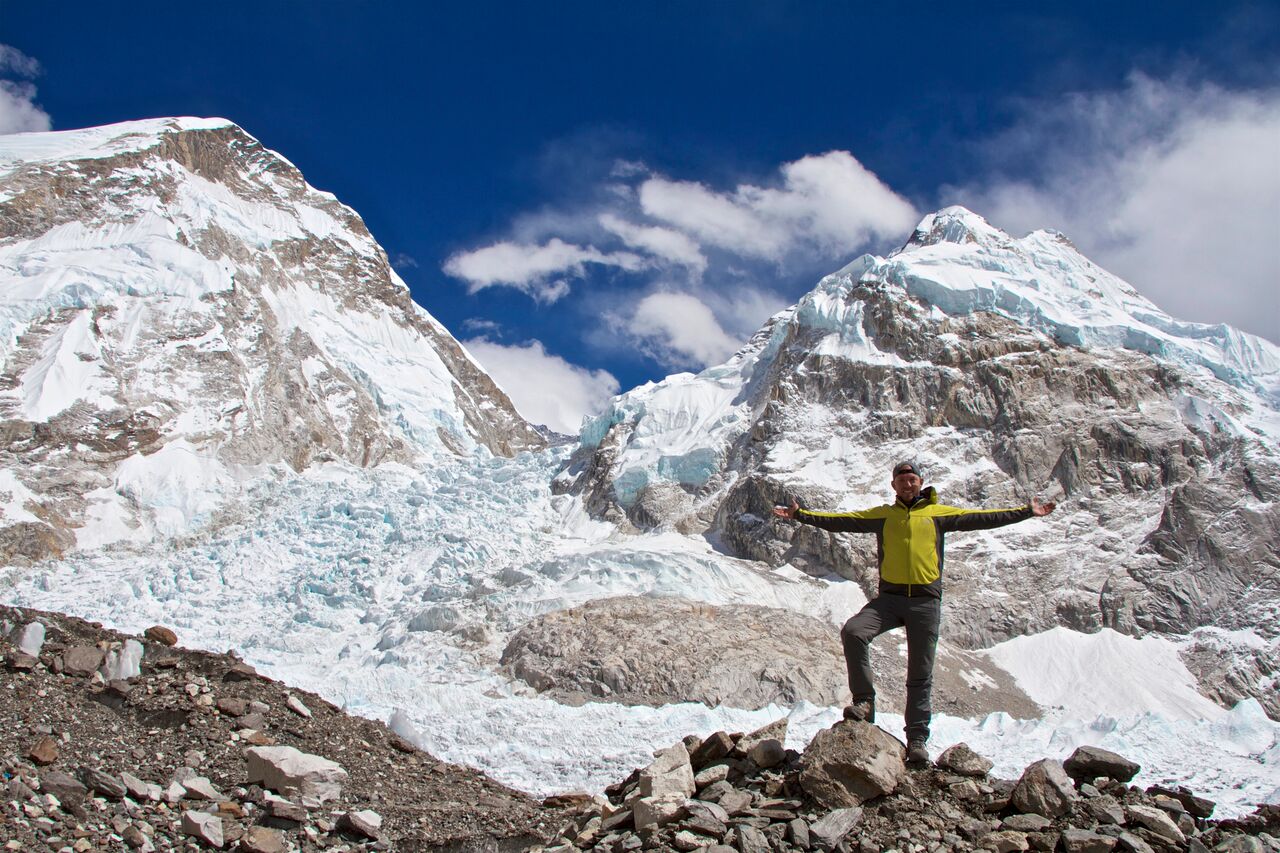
<point x="592" y="195"/>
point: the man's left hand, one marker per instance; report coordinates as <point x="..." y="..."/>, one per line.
<point x="1042" y="509"/>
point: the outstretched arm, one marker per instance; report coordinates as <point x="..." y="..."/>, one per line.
<point x="956" y="519"/>
<point x="866" y="521"/>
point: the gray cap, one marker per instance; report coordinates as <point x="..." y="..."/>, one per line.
<point x="908" y="465"/>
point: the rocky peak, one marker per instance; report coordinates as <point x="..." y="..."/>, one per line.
<point x="955" y="224"/>
<point x="180" y="311"/>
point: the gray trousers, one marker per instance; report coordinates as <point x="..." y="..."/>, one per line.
<point x="921" y="616"/>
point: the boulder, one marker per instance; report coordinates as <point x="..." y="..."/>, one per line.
<point x="1105" y="809"/>
<point x="1086" y="841"/>
<point x="658" y="810"/>
<point x="752" y="840"/>
<point x="140" y="790"/>
<point x="43" y="752"/>
<point x="827" y="832"/>
<point x="261" y="839"/>
<point x="775" y="732"/>
<point x="64" y="786"/>
<point x="124" y="663"/>
<point x="294" y="704"/>
<point x="852" y="762"/>
<point x="82" y="660"/>
<point x="711" y="775"/>
<point x="200" y="788"/>
<point x="1197" y="806"/>
<point x="364" y="823"/>
<point x="714" y="748"/>
<point x="670" y="773"/>
<point x="1006" y="841"/>
<point x="1156" y="822"/>
<point x="204" y="827"/>
<point x="1044" y="789"/>
<point x="1089" y="762"/>
<point x="289" y="771"/>
<point x="233" y="706"/>
<point x="102" y="783"/>
<point x="964" y="761"/>
<point x="162" y="635"/>
<point x="30" y="638"/>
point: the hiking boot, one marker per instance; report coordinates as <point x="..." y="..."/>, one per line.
<point x="861" y="709"/>
<point x="917" y="752"/>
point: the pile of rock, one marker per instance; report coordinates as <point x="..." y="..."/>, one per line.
<point x="851" y="792"/>
<point x="110" y="742"/>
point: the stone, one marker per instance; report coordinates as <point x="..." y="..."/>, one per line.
<point x="1241" y="844"/>
<point x="289" y="771"/>
<point x="1104" y="808"/>
<point x="136" y="838"/>
<point x="669" y="773"/>
<point x="21" y="661"/>
<point x="103" y="783"/>
<point x="710" y="811"/>
<point x="1006" y="841"/>
<point x="775" y="731"/>
<point x="964" y="761"/>
<point x="1129" y="841"/>
<point x="767" y="754"/>
<point x="162" y="635"/>
<point x="1044" y="788"/>
<point x="735" y="802"/>
<point x="64" y="786"/>
<point x="1089" y="762"/>
<point x="658" y="810"/>
<point x="252" y="720"/>
<point x="204" y="827"/>
<point x="18" y="790"/>
<point x="30" y="639"/>
<point x="687" y="841"/>
<point x="1197" y="806"/>
<point x="241" y="672"/>
<point x="232" y="706"/>
<point x="714" y="748"/>
<point x="1086" y="841"/>
<point x="828" y="831"/>
<point x="851" y="762"/>
<point x="711" y="775"/>
<point x="798" y="833"/>
<point x="82" y="660"/>
<point x="294" y="704"/>
<point x="752" y="840"/>
<point x="262" y="839"/>
<point x="1026" y="823"/>
<point x="200" y="788"/>
<point x="618" y="820"/>
<point x="363" y="823"/>
<point x="1156" y="821"/>
<point x="43" y="752"/>
<point x="284" y="810"/>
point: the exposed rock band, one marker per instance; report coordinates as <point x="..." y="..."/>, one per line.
<point x="909" y="546"/>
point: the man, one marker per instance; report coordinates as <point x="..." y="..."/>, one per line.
<point x="909" y="534"/>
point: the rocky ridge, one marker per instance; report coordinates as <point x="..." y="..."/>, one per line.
<point x="115" y="742"/>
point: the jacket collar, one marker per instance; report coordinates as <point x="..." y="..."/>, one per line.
<point x="926" y="497"/>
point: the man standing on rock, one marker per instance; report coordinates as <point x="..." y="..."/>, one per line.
<point x="909" y="535"/>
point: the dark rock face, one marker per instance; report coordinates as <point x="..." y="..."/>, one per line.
<point x="1089" y="762"/>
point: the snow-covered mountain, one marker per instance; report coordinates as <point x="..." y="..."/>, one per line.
<point x="1007" y="368"/>
<point x="224" y="414"/>
<point x="179" y="312"/>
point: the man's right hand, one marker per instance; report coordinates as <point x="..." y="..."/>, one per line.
<point x="787" y="512"/>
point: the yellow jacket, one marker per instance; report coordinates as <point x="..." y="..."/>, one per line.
<point x="909" y="539"/>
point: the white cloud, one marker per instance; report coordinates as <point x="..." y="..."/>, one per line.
<point x="545" y="388"/>
<point x="663" y="243"/>
<point x="680" y="329"/>
<point x="828" y="200"/>
<point x="533" y="268"/>
<point x="1174" y="187"/>
<point x="18" y="110"/>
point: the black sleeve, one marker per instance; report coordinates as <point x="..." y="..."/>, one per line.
<point x="980" y="519"/>
<point x="865" y="521"/>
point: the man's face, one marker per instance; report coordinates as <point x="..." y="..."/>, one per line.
<point x="907" y="486"/>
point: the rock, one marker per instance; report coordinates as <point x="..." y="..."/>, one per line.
<point x="294" y="704"/>
<point x="670" y="773"/>
<point x="1006" y="841"/>
<point x="851" y="762"/>
<point x="288" y="771"/>
<point x="1104" y="808"/>
<point x="687" y="841"/>
<point x="200" y="788"/>
<point x="1086" y="841"/>
<point x="64" y="786"/>
<point x="1026" y="823"/>
<point x="752" y="840"/>
<point x="714" y="748"/>
<point x="18" y="790"/>
<point x="162" y="635"/>
<point x="30" y="639"/>
<point x="284" y="810"/>
<point x="232" y="706"/>
<point x="363" y="823"/>
<point x="261" y="839"/>
<point x="829" y="830"/>
<point x="1044" y="789"/>
<point x="1197" y="806"/>
<point x="767" y="754"/>
<point x="963" y="760"/>
<point x="135" y="838"/>
<point x="241" y="672"/>
<point x="43" y="752"/>
<point x="21" y="662"/>
<point x="103" y="783"/>
<point x="735" y="802"/>
<point x="252" y="720"/>
<point x="775" y="731"/>
<point x="658" y="810"/>
<point x="1129" y="841"/>
<point x="711" y="775"/>
<point x="1156" y="821"/>
<point x="205" y="827"/>
<point x="1241" y="844"/>
<point x="798" y="833"/>
<point x="82" y="660"/>
<point x="1089" y="762"/>
<point x="710" y="811"/>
